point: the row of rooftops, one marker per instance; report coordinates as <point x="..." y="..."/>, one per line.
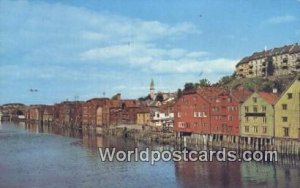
<point x="287" y="49"/>
<point x="212" y="92"/>
<point x="241" y="94"/>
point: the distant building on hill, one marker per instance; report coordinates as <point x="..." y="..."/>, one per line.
<point x="274" y="62"/>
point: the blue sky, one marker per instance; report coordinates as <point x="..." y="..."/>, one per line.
<point x="85" y="48"/>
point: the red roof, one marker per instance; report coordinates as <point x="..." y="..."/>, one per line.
<point x="211" y="93"/>
<point x="166" y="107"/>
<point x="241" y="93"/>
<point x="269" y="97"/>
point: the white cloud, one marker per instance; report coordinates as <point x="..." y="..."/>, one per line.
<point x="159" y="60"/>
<point x="281" y="19"/>
<point x="59" y="28"/>
<point x="82" y="50"/>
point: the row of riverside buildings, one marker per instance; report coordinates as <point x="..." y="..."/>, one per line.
<point x="202" y="115"/>
<point x="239" y="116"/>
<point x="104" y="112"/>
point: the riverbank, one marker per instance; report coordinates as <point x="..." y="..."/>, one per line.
<point x="149" y="134"/>
<point x="145" y="134"/>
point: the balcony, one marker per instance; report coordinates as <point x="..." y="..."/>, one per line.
<point x="255" y="114"/>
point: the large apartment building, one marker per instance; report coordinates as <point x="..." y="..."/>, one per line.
<point x="274" y="62"/>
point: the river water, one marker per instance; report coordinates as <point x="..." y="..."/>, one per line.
<point x="39" y="156"/>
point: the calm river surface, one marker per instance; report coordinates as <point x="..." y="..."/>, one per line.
<point x="35" y="156"/>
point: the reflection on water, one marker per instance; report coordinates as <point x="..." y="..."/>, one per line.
<point x="210" y="174"/>
<point x="43" y="156"/>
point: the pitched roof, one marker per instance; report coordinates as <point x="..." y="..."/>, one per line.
<point x="241" y="93"/>
<point x="269" y="97"/>
<point x="166" y="107"/>
<point x="296" y="79"/>
<point x="211" y="93"/>
<point x="244" y="60"/>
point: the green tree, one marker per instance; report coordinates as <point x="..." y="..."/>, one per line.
<point x="204" y="83"/>
<point x="144" y="98"/>
<point x="189" y="86"/>
<point x="225" y="80"/>
<point x="160" y="97"/>
<point x="179" y="93"/>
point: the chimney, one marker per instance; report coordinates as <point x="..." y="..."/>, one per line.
<point x="275" y="90"/>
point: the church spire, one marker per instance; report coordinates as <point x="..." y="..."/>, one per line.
<point x="152" y="84"/>
<point x="152" y="90"/>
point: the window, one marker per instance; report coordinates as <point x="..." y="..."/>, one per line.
<point x="230" y="118"/>
<point x="264" y="119"/>
<point x="286" y="131"/>
<point x="178" y="114"/>
<point x="254" y="99"/>
<point x="264" y="130"/>
<point x="246" y="129"/>
<point x="290" y="95"/>
<point x="264" y="108"/>
<point x="247" y="119"/>
<point x="284" y="106"/>
<point x="195" y="114"/>
<point x="284" y="119"/>
<point x="204" y="115"/>
<point x="254" y="108"/>
<point x="199" y="114"/>
<point x="246" y="109"/>
<point x="187" y="125"/>
<point x="255" y="129"/>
